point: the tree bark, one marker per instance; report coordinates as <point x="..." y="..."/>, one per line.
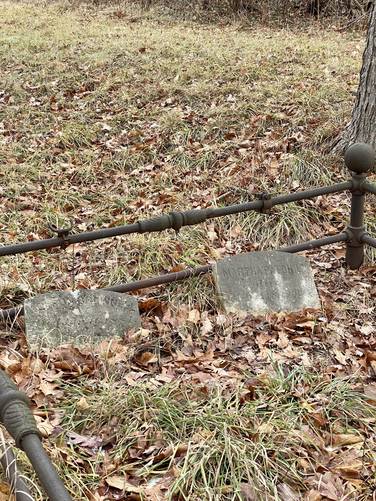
<point x="362" y="127"/>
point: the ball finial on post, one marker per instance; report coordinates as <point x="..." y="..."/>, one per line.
<point x="360" y="158"/>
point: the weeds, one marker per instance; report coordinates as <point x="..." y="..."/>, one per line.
<point x="129" y="121"/>
<point x="258" y="433"/>
<point x="108" y="118"/>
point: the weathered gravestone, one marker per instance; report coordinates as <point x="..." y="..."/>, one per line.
<point x="79" y="317"/>
<point x="262" y="282"/>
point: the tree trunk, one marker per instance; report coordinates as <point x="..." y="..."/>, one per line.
<point x="362" y="127"/>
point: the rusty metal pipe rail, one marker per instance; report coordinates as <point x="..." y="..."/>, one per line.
<point x="174" y="220"/>
<point x="370" y="188"/>
<point x="12" y="473"/>
<point x="315" y="244"/>
<point x="367" y="239"/>
<point x="268" y="203"/>
<point x="10" y="314"/>
<point x="18" y="419"/>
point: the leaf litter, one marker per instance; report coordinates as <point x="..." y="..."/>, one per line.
<point x="197" y="404"/>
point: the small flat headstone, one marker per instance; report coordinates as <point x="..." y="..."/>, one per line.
<point x="79" y="317"/>
<point x="264" y="282"/>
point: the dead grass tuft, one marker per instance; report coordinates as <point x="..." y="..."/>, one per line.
<point x="210" y="441"/>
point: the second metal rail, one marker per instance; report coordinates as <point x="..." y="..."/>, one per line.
<point x="10" y="314"/>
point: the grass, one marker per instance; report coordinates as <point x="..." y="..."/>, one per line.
<point x="108" y="117"/>
<point x="217" y="440"/>
<point x="132" y="120"/>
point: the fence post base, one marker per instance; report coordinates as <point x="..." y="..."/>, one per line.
<point x="354" y="247"/>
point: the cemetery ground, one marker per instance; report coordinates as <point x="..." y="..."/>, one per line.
<point x="113" y="116"/>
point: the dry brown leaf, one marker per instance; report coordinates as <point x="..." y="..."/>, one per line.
<point x="370" y="393"/>
<point x="10" y="363"/>
<point x="82" y="404"/>
<point x="207" y="327"/>
<point x="348" y="464"/>
<point x="69" y="358"/>
<point x="146" y="358"/>
<point x="308" y="437"/>
<point x="341" y="439"/>
<point x="367" y="329"/>
<point x="371" y="356"/>
<point x="319" y="418"/>
<point x="342" y="359"/>
<point x="331" y="487"/>
<point x="313" y="495"/>
<point x="47" y="388"/>
<point x="194" y="316"/>
<point x="349" y="470"/>
<point x="286" y="493"/>
<point x="283" y="340"/>
<point x="6" y="497"/>
<point x="45" y="427"/>
<point x="151" y="304"/>
<point x="90" y="442"/>
<point x="248" y="492"/>
<point x="121" y="483"/>
<point x="5" y="494"/>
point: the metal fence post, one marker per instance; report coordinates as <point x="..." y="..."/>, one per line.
<point x="359" y="159"/>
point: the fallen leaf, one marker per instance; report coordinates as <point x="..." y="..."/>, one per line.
<point x="248" y="492"/>
<point x="341" y="439"/>
<point x="331" y="487"/>
<point x="121" y="483"/>
<point x="45" y="427"/>
<point x="47" y="388"/>
<point x="90" y="442"/>
<point x="313" y="495"/>
<point x="194" y="316"/>
<point x="286" y="493"/>
<point x="207" y="327"/>
<point x="146" y="358"/>
<point x="82" y="404"/>
<point x="370" y="393"/>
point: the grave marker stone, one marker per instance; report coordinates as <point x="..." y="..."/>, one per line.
<point x="79" y="317"/>
<point x="263" y="282"/>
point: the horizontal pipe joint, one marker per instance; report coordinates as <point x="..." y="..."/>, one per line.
<point x="359" y="183"/>
<point x="355" y="235"/>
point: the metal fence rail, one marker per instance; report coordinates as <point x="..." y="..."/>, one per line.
<point x="174" y="220"/>
<point x="10" y="314"/>
<point x="360" y="160"/>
